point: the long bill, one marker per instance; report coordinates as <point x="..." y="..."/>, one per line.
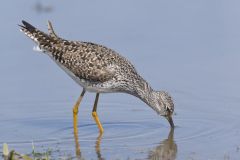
<point x="170" y="120"/>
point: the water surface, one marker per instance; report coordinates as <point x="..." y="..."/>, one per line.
<point x="191" y="49"/>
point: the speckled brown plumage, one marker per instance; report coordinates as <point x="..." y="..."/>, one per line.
<point x="98" y="68"/>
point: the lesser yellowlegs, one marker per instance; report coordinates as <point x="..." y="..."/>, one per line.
<point x="98" y="69"/>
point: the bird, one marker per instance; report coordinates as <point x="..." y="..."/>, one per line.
<point x="99" y="69"/>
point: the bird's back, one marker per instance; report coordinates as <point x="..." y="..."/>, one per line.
<point x="85" y="60"/>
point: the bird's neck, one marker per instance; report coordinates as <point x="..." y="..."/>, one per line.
<point x="146" y="94"/>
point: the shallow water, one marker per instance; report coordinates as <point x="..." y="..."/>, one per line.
<point x="190" y="49"/>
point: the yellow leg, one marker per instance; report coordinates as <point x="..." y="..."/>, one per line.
<point x="95" y="116"/>
<point x="77" y="145"/>
<point x="75" y="124"/>
<point x="75" y="112"/>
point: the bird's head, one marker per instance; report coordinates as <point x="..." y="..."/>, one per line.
<point x="164" y="105"/>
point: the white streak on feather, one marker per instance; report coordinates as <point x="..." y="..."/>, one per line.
<point x="37" y="48"/>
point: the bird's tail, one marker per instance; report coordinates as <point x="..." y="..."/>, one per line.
<point x="45" y="42"/>
<point x="36" y="35"/>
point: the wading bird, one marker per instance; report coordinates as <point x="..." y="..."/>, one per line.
<point x="98" y="69"/>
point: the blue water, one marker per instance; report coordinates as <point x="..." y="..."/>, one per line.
<point x="189" y="48"/>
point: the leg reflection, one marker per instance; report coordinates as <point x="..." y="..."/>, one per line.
<point x="97" y="146"/>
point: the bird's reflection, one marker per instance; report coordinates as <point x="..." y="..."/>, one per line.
<point x="166" y="150"/>
<point x="97" y="146"/>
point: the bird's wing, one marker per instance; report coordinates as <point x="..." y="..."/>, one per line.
<point x="51" y="30"/>
<point x="94" y="74"/>
<point x="88" y="64"/>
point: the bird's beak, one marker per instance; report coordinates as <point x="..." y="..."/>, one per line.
<point x="170" y="120"/>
